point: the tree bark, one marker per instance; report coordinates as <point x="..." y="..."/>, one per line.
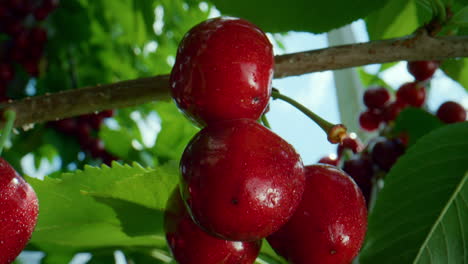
<point x="420" y="46"/>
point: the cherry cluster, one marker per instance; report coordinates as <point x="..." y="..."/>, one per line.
<point x="24" y="39"/>
<point x="240" y="182"/>
<point x="85" y="129"/>
<point x="373" y="161"/>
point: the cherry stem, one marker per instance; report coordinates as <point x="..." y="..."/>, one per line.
<point x="265" y="121"/>
<point x="335" y="133"/>
<point x="9" y="116"/>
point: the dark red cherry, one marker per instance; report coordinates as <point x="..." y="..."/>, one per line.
<point x="386" y="152"/>
<point x="41" y="13"/>
<point x="223" y="70"/>
<point x="189" y="244"/>
<point x="18" y="213"/>
<point x="376" y="97"/>
<point x="38" y="35"/>
<point x="67" y="126"/>
<point x="351" y="143"/>
<point x="240" y="180"/>
<point x="391" y="111"/>
<point x="6" y="72"/>
<point x="370" y="120"/>
<point x="451" y="112"/>
<point x="329" y="225"/>
<point x="362" y="171"/>
<point x="329" y="160"/>
<point x="413" y="94"/>
<point x="422" y="70"/>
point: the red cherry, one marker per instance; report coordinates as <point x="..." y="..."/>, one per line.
<point x="38" y="35"/>
<point x="21" y="41"/>
<point x="41" y="13"/>
<point x="386" y="152"/>
<point x="422" y="70"/>
<point x="376" y="97"/>
<point x="223" y="70"/>
<point x="391" y="111"/>
<point x="253" y="190"/>
<point x="18" y="212"/>
<point x="329" y="160"/>
<point x="6" y="72"/>
<point x="96" y="148"/>
<point x="353" y="144"/>
<point x="106" y="113"/>
<point x="370" y="120"/>
<point x="13" y="26"/>
<point x="330" y="223"/>
<point x="412" y="94"/>
<point x="189" y="244"/>
<point x="362" y="171"/>
<point x="67" y="126"/>
<point x="451" y="112"/>
<point x="51" y="4"/>
<point x="31" y="67"/>
<point x="83" y="133"/>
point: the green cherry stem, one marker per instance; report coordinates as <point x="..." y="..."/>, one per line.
<point x="9" y="116"/>
<point x="335" y="133"/>
<point x="265" y="121"/>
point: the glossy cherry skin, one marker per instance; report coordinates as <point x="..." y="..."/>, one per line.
<point x="422" y="70"/>
<point x="413" y="94"/>
<point x="376" y="97"/>
<point x="223" y="70"/>
<point x="330" y="223"/>
<point x="451" y="112"/>
<point x="370" y="120"/>
<point x="329" y="160"/>
<point x="361" y="170"/>
<point x="18" y="213"/>
<point x="240" y="181"/>
<point x="386" y="152"/>
<point x="189" y="244"/>
<point x="391" y="111"/>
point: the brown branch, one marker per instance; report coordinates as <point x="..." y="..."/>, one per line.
<point x="134" y="92"/>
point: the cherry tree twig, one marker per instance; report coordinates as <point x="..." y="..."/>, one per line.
<point x="419" y="46"/>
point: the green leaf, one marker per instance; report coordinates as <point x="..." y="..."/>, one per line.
<point x="151" y="189"/>
<point x="397" y="18"/>
<point x="461" y="18"/>
<point x="421" y="214"/>
<point x="268" y="255"/>
<point x="176" y="132"/>
<point x="369" y="80"/>
<point x="457" y="69"/>
<point x="304" y="15"/>
<point x="416" y="123"/>
<point x="136" y="220"/>
<point x="70" y="219"/>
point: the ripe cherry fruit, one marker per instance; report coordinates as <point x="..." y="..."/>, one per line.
<point x="451" y="112"/>
<point x="370" y="120"/>
<point x="329" y="225"/>
<point x="223" y="70"/>
<point x="189" y="244"/>
<point x="422" y="70"/>
<point x="376" y="97"/>
<point x="18" y="213"/>
<point x="412" y="93"/>
<point x="240" y="180"/>
<point x="386" y="152"/>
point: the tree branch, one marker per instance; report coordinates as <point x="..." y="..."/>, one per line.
<point x="65" y="104"/>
